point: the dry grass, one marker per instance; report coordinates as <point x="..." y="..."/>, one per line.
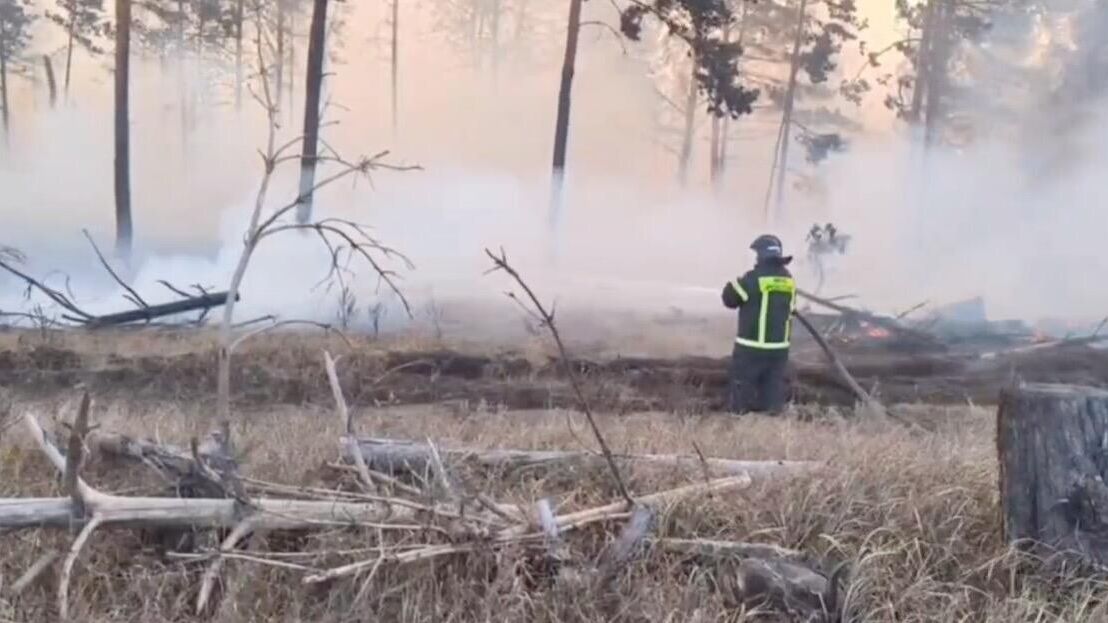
<point x="915" y="512"/>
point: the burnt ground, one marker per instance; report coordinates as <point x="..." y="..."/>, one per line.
<point x="293" y="374"/>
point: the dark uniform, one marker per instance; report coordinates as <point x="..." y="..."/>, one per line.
<point x="765" y="298"/>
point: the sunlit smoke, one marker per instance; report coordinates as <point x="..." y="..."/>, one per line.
<point x="986" y="220"/>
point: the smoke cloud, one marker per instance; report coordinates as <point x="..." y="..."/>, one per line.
<point x="1015" y="218"/>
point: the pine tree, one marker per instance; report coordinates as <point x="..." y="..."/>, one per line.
<point x="85" y="24"/>
<point x="16" y="20"/>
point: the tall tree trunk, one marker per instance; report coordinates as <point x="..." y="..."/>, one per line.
<point x="292" y="64"/>
<point x="923" y="62"/>
<point x="72" y="32"/>
<point x="720" y="128"/>
<point x="690" y="127"/>
<point x="787" y="112"/>
<point x="936" y="79"/>
<point x="313" y="88"/>
<point x="51" y="82"/>
<point x="4" y="118"/>
<point x="714" y="151"/>
<point x="561" y="123"/>
<point x="495" y="43"/>
<point x="182" y="79"/>
<point x="394" y="62"/>
<point x="238" y="53"/>
<point x="123" y="225"/>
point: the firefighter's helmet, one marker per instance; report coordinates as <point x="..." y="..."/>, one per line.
<point x="768" y="246"/>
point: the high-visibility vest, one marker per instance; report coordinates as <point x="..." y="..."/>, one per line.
<point x="767" y="297"/>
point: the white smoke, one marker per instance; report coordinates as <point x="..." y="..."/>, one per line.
<point x="983" y="220"/>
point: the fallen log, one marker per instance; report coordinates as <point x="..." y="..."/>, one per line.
<point x="171" y="460"/>
<point x="710" y="548"/>
<point x="1051" y="442"/>
<point x="163" y="512"/>
<point x="393" y="456"/>
<point x="153" y="312"/>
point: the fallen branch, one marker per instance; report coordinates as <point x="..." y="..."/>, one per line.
<point x="343" y="413"/>
<point x="176" y="466"/>
<point x="617" y="510"/>
<point x="33" y="573"/>
<point x="400" y="456"/>
<point x="522" y="532"/>
<point x="860" y="392"/>
<point x="160" y="512"/>
<point x="889" y="324"/>
<point x="726" y="549"/>
<point x="211" y="574"/>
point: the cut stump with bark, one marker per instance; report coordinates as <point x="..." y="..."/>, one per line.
<point x="1052" y="442"/>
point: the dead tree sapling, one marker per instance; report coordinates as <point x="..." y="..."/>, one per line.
<point x="345" y="240"/>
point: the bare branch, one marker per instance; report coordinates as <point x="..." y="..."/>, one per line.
<point x="608" y="27"/>
<point x="174" y="289"/>
<point x="135" y="298"/>
<point x="211" y="574"/>
<point x="33" y="573"/>
<point x="501" y="263"/>
<point x="343" y="413"/>
<point x="70" y="560"/>
<point x="79" y="315"/>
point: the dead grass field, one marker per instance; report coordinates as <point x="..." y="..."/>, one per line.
<point x="915" y="513"/>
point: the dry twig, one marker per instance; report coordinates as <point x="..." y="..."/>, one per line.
<point x="500" y="262"/>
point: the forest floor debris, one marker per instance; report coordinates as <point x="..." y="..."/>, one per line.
<point x="912" y="516"/>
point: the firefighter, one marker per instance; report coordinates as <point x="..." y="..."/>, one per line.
<point x="765" y="297"/>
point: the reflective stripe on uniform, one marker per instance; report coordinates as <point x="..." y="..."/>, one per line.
<point x="740" y="290"/>
<point x="767" y="286"/>
<point x="761" y="345"/>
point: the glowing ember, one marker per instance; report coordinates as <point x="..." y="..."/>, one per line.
<point x="877" y="332"/>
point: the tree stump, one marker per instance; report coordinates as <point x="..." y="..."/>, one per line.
<point x="1052" y="442"/>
